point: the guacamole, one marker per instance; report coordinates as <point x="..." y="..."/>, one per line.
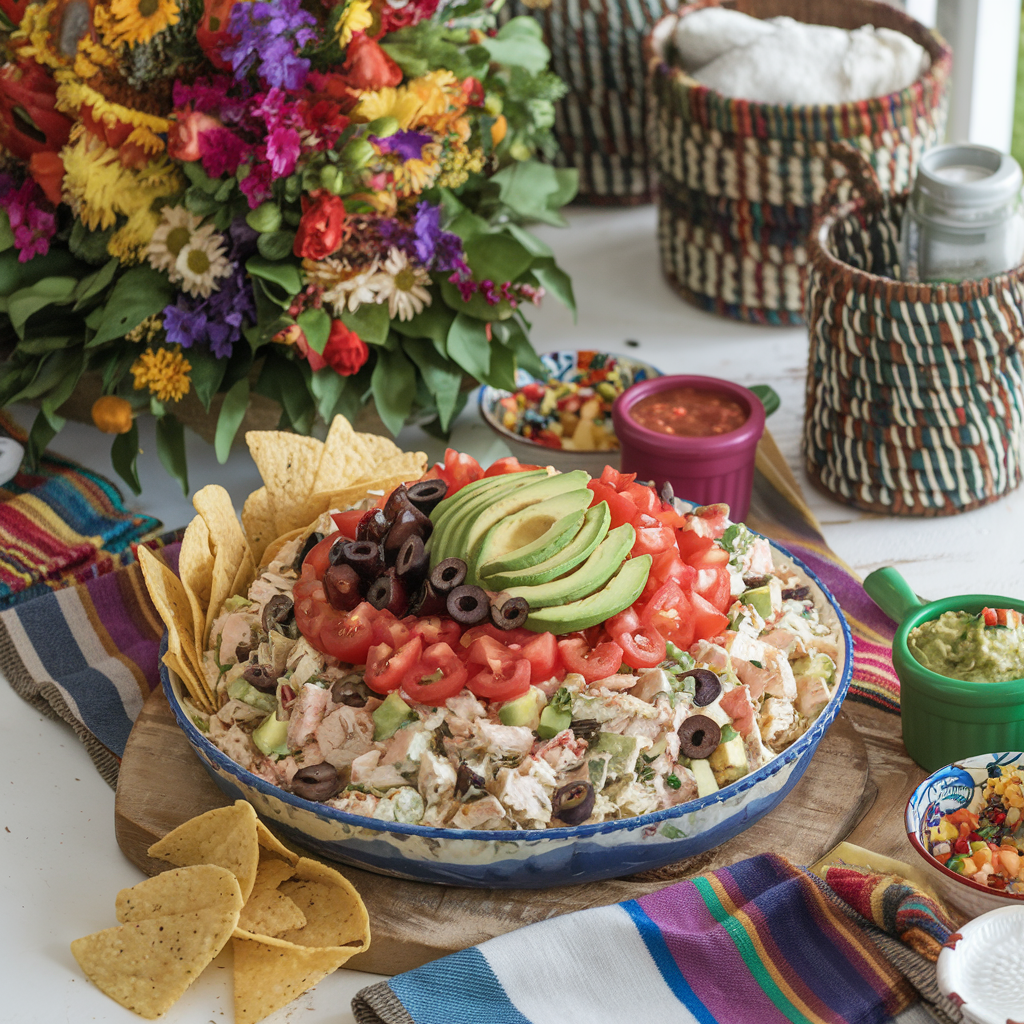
<point x="962" y="645"/>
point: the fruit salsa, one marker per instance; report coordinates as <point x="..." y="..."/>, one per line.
<point x="986" y="845"/>
<point x="516" y="648"/>
<point x="574" y="413"/>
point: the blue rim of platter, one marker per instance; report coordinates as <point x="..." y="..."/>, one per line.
<point x="766" y="771"/>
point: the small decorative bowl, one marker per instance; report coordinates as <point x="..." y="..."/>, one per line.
<point x="531" y="858"/>
<point x="943" y="792"/>
<point x="561" y="366"/>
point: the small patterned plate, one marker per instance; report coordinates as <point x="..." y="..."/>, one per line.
<point x="981" y="968"/>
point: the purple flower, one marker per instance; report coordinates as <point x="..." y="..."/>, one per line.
<point x="435" y="247"/>
<point x="408" y="144"/>
<point x="184" y="326"/>
<point x="270" y="36"/>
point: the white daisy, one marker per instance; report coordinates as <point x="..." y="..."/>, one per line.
<point x="355" y="290"/>
<point x="201" y="262"/>
<point x="172" y="234"/>
<point x="400" y="284"/>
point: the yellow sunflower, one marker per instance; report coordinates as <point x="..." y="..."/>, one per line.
<point x="357" y="17"/>
<point x="137" y="21"/>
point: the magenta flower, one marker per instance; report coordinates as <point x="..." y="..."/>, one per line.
<point x="283" y="146"/>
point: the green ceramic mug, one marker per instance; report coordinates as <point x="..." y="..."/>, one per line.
<point x="946" y="719"/>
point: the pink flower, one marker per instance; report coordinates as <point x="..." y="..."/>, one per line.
<point x="315" y="360"/>
<point x="256" y="184"/>
<point x="183" y="134"/>
<point x="283" y="146"/>
<point x="222" y="151"/>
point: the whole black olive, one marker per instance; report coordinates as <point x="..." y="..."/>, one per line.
<point x="388" y="592"/>
<point x="796" y="593"/>
<point x="427" y="601"/>
<point x="573" y="803"/>
<point x="373" y="526"/>
<point x="311" y="542"/>
<point x="342" y="585"/>
<point x="447" y="575"/>
<point x="365" y="556"/>
<point x="468" y="605"/>
<point x="426" y="495"/>
<point x="262" y="677"/>
<point x="510" y="612"/>
<point x="277" y="611"/>
<point x="707" y="686"/>
<point x="413" y="561"/>
<point x="466" y="779"/>
<point x="410" y="522"/>
<point x="242" y="652"/>
<point x="699" y="736"/>
<point x="334" y="555"/>
<point x="316" y="781"/>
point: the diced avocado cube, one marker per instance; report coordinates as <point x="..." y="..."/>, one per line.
<point x="553" y="721"/>
<point x="706" y="782"/>
<point x="390" y="717"/>
<point x="524" y="710"/>
<point x="624" y="751"/>
<point x="239" y="689"/>
<point x="820" y="665"/>
<point x="729" y="761"/>
<point x="760" y="599"/>
<point x="271" y="736"/>
<point x="597" y="765"/>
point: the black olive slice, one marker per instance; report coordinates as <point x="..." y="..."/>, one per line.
<point x="342" y="587"/>
<point x="389" y="593"/>
<point x="365" y="556"/>
<point x="311" y="542"/>
<point x="373" y="526"/>
<point x="510" y="613"/>
<point x="242" y="652"/>
<point x="263" y="677"/>
<point x="753" y="582"/>
<point x="448" y="575"/>
<point x="707" y="686"/>
<point x="699" y="736"/>
<point x="342" y="693"/>
<point x="468" y="605"/>
<point x="426" y="495"/>
<point x="413" y="561"/>
<point x="427" y="601"/>
<point x="467" y="779"/>
<point x="277" y="611"/>
<point x="573" y="803"/>
<point x="398" y="501"/>
<point x="410" y="522"/>
<point x="316" y="781"/>
<point x="796" y="593"/>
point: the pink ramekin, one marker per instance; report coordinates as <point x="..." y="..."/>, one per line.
<point x="703" y="470"/>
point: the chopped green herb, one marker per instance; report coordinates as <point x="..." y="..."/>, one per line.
<point x="756" y="664"/>
<point x="728" y="733"/>
<point x="672" y="781"/>
<point x="561" y="701"/>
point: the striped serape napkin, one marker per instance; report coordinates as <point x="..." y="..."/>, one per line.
<point x="760" y="942"/>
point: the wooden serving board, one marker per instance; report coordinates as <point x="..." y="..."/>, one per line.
<point x="162" y="783"/>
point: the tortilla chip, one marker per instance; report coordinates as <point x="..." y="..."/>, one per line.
<point x="147" y="963"/>
<point x="407" y="465"/>
<point x="288" y="464"/>
<point x="197" y="687"/>
<point x="270" y="973"/>
<point x="338" y="466"/>
<point x="225" y="836"/>
<point x="335" y="914"/>
<point x="228" y="544"/>
<point x="244" y="577"/>
<point x="268" y="911"/>
<point x="272" y="845"/>
<point x="195" y="567"/>
<point x="258" y="521"/>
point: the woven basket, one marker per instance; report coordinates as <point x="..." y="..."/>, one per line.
<point x="915" y="393"/>
<point x="738" y="181"/>
<point x="600" y="124"/>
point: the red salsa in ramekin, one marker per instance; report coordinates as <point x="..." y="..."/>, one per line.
<point x="689" y="412"/>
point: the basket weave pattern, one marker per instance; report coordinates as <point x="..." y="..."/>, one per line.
<point x="738" y="181"/>
<point x="915" y="393"/>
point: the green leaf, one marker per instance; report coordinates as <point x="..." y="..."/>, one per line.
<point x="433" y="322"/>
<point x="140" y="292"/>
<point x="71" y="371"/>
<point x="45" y="343"/>
<point x="117" y="366"/>
<point x="236" y="401"/>
<point x="284" y="274"/>
<point x="370" y="321"/>
<point x="124" y="456"/>
<point x="526" y="356"/>
<point x="394" y="387"/>
<point x="14" y="274"/>
<point x="503" y="368"/>
<point x="497" y="257"/>
<point x="94" y="283"/>
<point x="477" y="307"/>
<point x="276" y="245"/>
<point x="519" y="42"/>
<point x="26" y="301"/>
<point x="528" y="188"/>
<point x="90" y="246"/>
<point x="530" y="242"/>
<point x="207" y="374"/>
<point x="316" y="325"/>
<point x="283" y="380"/>
<point x="6" y="234"/>
<point x="468" y="225"/>
<point x="48" y="374"/>
<point x="43" y="431"/>
<point x="442" y="378"/>
<point x="469" y="347"/>
<point x="568" y="185"/>
<point x="170" y="446"/>
<point x="326" y="386"/>
<point x="556" y="281"/>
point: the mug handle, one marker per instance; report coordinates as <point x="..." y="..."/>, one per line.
<point x="769" y="397"/>
<point x="891" y="592"/>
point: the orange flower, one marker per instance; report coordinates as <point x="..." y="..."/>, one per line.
<point x="112" y="415"/>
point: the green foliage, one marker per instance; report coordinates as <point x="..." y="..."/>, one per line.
<point x="170" y="447"/>
<point x="124" y="456"/>
<point x="232" y="411"/>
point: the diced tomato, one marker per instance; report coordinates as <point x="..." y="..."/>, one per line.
<point x="510" y="464"/>
<point x="320" y="554"/>
<point x="962" y="816"/>
<point x="591" y="663"/>
<point x="712" y="556"/>
<point x="387" y="668"/>
<point x="348" y="636"/>
<point x="641" y="648"/>
<point x="651" y="537"/>
<point x="668" y="516"/>
<point x="438" y="675"/>
<point x="670" y="612"/>
<point x="712" y="583"/>
<point x="627" y="621"/>
<point x="542" y="654"/>
<point x="692" y="544"/>
<point x="708" y="621"/>
<point x="611" y="477"/>
<point x="505" y="674"/>
<point x="311" y="606"/>
<point x="391" y="631"/>
<point x="485" y="650"/>
<point x="435" y="629"/>
<point x="503" y="636"/>
<point x="991" y="616"/>
<point x="346" y="522"/>
<point x="622" y="509"/>
<point x="669" y="566"/>
<point x="459" y="469"/>
<point x="642" y="496"/>
<point x="595" y="635"/>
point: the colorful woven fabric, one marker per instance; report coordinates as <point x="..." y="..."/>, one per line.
<point x="754" y="943"/>
<point x="60" y="525"/>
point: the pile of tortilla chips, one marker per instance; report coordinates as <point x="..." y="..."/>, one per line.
<point x="302" y="478"/>
<point x="291" y="921"/>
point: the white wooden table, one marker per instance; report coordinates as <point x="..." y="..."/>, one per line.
<point x="60" y="866"/>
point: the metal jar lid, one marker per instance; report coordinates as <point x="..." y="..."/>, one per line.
<point x="960" y="182"/>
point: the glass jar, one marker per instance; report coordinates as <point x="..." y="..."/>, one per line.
<point x="964" y="219"/>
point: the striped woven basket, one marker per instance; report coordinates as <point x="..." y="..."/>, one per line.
<point x="915" y="393"/>
<point x="600" y="124"/>
<point x="738" y="181"/>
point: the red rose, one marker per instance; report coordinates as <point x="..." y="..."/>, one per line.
<point x="345" y="352"/>
<point x="473" y="91"/>
<point x="367" y="66"/>
<point x="322" y="227"/>
<point x="184" y="131"/>
<point x="212" y="31"/>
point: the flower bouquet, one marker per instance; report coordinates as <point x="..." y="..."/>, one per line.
<point x="318" y="201"/>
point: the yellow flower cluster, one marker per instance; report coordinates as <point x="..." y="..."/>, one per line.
<point x="147" y="330"/>
<point x="357" y="17"/>
<point x="459" y="165"/>
<point x="164" y="371"/>
<point x="432" y="101"/>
